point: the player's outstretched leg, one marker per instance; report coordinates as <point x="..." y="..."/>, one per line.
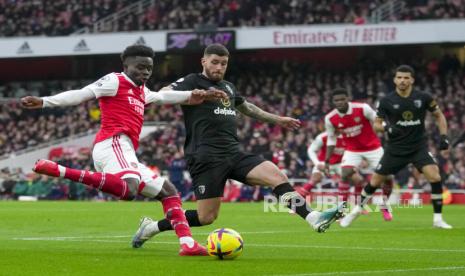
<point x="149" y="228"/>
<point x="162" y="189"/>
<point x="105" y="182"/>
<point x="320" y="221"/>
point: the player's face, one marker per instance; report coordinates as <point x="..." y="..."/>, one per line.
<point x="403" y="81"/>
<point x="138" y="69"/>
<point x="341" y="103"/>
<point x="214" y="66"/>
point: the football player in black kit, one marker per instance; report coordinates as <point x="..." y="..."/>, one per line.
<point x="402" y="115"/>
<point x="213" y="154"/>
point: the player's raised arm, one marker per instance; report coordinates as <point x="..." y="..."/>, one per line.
<point x="169" y="96"/>
<point x="255" y="112"/>
<point x="67" y="98"/>
<point x="104" y="87"/>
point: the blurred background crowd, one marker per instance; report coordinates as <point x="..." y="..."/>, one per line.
<point x="63" y="17"/>
<point x="283" y="87"/>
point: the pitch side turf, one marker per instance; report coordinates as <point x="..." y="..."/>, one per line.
<point x="93" y="238"/>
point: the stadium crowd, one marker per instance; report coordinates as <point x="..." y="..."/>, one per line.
<point x="54" y="18"/>
<point x="294" y="89"/>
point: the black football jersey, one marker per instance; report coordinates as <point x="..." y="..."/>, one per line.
<point x="407" y="115"/>
<point x="211" y="127"/>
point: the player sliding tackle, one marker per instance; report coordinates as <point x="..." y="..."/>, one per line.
<point x="122" y="98"/>
<point x="402" y="115"/>
<point x="213" y="152"/>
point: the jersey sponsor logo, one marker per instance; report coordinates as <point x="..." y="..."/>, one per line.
<point x="224" y="111"/>
<point x="417" y="103"/>
<point x="226" y="102"/>
<point x="407" y="115"/>
<point x="138" y="105"/>
<point x="409" y="123"/>
<point x="353" y="131"/>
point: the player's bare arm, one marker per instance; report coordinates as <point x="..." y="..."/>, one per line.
<point x="440" y="121"/>
<point x="442" y="125"/>
<point x="255" y="112"/>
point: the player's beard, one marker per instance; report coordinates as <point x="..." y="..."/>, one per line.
<point x="214" y="76"/>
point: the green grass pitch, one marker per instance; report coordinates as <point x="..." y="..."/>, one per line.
<point x="93" y="238"/>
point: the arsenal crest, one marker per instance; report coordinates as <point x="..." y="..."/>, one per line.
<point x="417" y="103"/>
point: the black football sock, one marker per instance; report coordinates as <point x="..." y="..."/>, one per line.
<point x="192" y="218"/>
<point x="287" y="195"/>
<point x="436" y="197"/>
<point x="367" y="192"/>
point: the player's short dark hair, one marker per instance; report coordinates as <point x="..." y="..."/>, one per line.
<point x="404" y="68"/>
<point x="137" y="50"/>
<point x="339" y="91"/>
<point x="216" y="49"/>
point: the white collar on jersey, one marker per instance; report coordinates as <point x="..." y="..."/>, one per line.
<point x="349" y="110"/>
<point x="128" y="79"/>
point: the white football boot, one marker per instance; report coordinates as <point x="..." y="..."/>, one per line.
<point x="348" y="219"/>
<point x="147" y="229"/>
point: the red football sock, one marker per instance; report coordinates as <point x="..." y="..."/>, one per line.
<point x="358" y="187"/>
<point x="172" y="207"/>
<point x="105" y="182"/>
<point x="343" y="190"/>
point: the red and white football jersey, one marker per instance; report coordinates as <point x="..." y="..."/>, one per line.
<point x="317" y="150"/>
<point x="355" y="126"/>
<point x="121" y="104"/>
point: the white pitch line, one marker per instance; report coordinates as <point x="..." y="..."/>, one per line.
<point x="242" y="232"/>
<point x="376" y="271"/>
<point x="84" y="239"/>
<point x="130" y="236"/>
